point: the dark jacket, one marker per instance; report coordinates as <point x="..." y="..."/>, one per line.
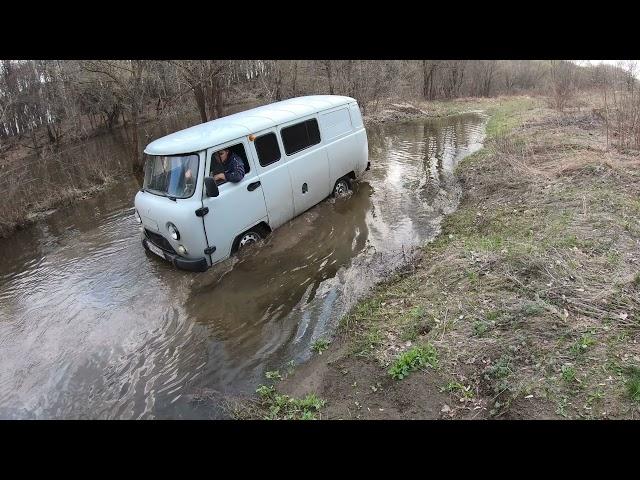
<point x="233" y="168"/>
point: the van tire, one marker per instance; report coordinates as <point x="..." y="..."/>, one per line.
<point x="251" y="236"/>
<point x="342" y="187"/>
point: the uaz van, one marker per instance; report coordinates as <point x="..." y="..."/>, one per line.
<point x="295" y="154"/>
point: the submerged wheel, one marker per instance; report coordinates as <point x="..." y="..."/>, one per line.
<point x="249" y="238"/>
<point x="341" y="188"/>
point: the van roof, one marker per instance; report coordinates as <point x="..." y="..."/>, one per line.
<point x="224" y="129"/>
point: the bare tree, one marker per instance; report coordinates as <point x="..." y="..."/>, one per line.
<point x="328" y="65"/>
<point x="126" y="81"/>
<point x="429" y="69"/>
<point x="205" y="79"/>
<point x="454" y="71"/>
<point x="561" y="79"/>
<point x="484" y="75"/>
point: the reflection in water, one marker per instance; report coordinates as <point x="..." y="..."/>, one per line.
<point x="92" y="327"/>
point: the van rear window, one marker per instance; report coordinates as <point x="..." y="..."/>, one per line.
<point x="300" y="136"/>
<point x="268" y="149"/>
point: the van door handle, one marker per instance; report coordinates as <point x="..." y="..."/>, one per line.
<point x="252" y="186"/>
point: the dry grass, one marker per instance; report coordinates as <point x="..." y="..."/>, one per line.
<point x="40" y="184"/>
<point x="531" y="294"/>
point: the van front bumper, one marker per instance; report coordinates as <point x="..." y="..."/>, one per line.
<point x="197" y="265"/>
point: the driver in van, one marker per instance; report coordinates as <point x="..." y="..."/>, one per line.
<point x="228" y="166"/>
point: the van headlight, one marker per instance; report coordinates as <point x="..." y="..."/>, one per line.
<point x="137" y="215"/>
<point x="173" y="231"/>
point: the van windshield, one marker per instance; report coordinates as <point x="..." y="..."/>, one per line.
<point x="171" y="176"/>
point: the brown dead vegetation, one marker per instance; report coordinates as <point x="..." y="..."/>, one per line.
<point x="531" y="294"/>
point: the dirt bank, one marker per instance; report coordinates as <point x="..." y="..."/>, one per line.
<point x="526" y="306"/>
<point x="16" y="219"/>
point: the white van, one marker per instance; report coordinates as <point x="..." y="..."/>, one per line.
<point x="295" y="154"/>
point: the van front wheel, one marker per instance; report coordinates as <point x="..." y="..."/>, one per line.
<point x="341" y="188"/>
<point x="247" y="238"/>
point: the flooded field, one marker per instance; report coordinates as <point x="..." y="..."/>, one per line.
<point x="93" y="327"/>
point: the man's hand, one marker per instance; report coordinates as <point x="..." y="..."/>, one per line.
<point x="219" y="176"/>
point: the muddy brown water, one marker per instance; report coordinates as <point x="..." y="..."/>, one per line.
<point x="93" y="327"/>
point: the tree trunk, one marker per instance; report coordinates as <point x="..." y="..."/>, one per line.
<point x="219" y="100"/>
<point x="329" y="76"/>
<point x="52" y="137"/>
<point x="34" y="139"/>
<point x="295" y="78"/>
<point x="425" y="80"/>
<point x="202" y="106"/>
<point x="136" y="160"/>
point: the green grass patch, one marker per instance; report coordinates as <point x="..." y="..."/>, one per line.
<point x="568" y="373"/>
<point x="320" y="346"/>
<point x="498" y="376"/>
<point x="506" y="116"/>
<point x="367" y="342"/>
<point x="413" y="359"/>
<point x="458" y="389"/>
<point x="633" y="383"/>
<point x="273" y="375"/>
<point x="414" y="325"/>
<point x="532" y="309"/>
<point x="480" y="327"/>
<point x="291" y="365"/>
<point x="364" y="310"/>
<point x="583" y="343"/>
<point x="501" y="369"/>
<point x="284" y="407"/>
<point x="561" y="406"/>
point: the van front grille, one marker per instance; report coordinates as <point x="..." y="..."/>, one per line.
<point x="159" y="241"/>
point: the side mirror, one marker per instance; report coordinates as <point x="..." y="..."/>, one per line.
<point x="211" y="187"/>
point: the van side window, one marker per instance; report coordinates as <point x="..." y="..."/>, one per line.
<point x="300" y="136"/>
<point x="336" y="123"/>
<point x="268" y="149"/>
<point x="237" y="149"/>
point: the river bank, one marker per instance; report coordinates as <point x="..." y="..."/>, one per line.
<point x="526" y="306"/>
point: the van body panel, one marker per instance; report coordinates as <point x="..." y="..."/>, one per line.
<point x="356" y="117"/>
<point x="342" y="143"/>
<point x="276" y="184"/>
<point x="235" y="209"/>
<point x="309" y="172"/>
<point x="276" y="188"/>
<point x="361" y="152"/>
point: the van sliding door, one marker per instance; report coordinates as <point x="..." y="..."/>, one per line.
<point x="308" y="164"/>
<point x="274" y="176"/>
